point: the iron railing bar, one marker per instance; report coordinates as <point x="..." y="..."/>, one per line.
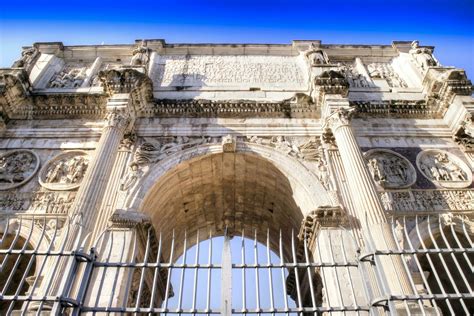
<point x="459" y="244"/>
<point x="208" y="296"/>
<point x="168" y="278"/>
<point x="297" y="279"/>
<point x="456" y="262"/>
<point x="244" y="285"/>
<point x="257" y="283"/>
<point x="430" y="262"/>
<point x="196" y="269"/>
<point x="466" y="233"/>
<point x="155" y="274"/>
<point x="142" y="275"/>
<point x="12" y="245"/>
<point x="270" y="277"/>
<point x="443" y="262"/>
<point x="183" y="271"/>
<point x="280" y="246"/>
<point x="418" y="264"/>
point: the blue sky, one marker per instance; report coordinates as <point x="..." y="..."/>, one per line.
<point x="448" y="25"/>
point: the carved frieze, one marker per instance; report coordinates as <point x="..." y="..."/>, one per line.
<point x="17" y="167"/>
<point x="38" y="202"/>
<point x="231" y="71"/>
<point x="444" y="169"/>
<point x="427" y="200"/>
<point x="65" y="171"/>
<point x="389" y="169"/>
<point x="396" y="109"/>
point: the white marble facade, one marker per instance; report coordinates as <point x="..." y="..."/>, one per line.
<point x="89" y="130"/>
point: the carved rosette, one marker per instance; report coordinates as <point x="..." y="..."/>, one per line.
<point x="389" y="169"/>
<point x="17" y="167"/>
<point x="65" y="171"/>
<point x="338" y="118"/>
<point x="444" y="168"/>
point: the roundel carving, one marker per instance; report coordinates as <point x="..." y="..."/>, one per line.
<point x="65" y="171"/>
<point x="17" y="167"/>
<point x="444" y="169"/>
<point x="389" y="169"/>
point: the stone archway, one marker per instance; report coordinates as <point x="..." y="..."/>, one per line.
<point x="205" y="188"/>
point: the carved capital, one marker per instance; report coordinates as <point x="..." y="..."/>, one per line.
<point x="118" y="118"/>
<point x="128" y="219"/>
<point x="338" y="118"/>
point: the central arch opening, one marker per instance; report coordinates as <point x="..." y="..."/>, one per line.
<point x="234" y="191"/>
<point x="246" y="197"/>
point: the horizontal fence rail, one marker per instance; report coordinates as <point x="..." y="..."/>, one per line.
<point x="202" y="272"/>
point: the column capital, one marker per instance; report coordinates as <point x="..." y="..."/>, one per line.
<point x="118" y="117"/>
<point x="339" y="117"/>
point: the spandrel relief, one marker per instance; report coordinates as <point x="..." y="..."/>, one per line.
<point x="17" y="167"/>
<point x="65" y="171"/>
<point x="389" y="169"/>
<point x="71" y="76"/>
<point x="444" y="168"/>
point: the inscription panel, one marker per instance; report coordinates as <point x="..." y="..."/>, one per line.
<point x="202" y="71"/>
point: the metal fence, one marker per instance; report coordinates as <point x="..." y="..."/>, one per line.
<point x="254" y="273"/>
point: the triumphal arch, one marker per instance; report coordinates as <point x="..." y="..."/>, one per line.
<point x="188" y="179"/>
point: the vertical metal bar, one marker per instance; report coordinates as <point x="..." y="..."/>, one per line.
<point x="445" y="266"/>
<point x="226" y="278"/>
<point x="142" y="276"/>
<point x="168" y="278"/>
<point x="295" y="262"/>
<point x="432" y="266"/>
<point x="418" y="264"/>
<point x="460" y="245"/>
<point x="257" y="279"/>
<point x="156" y="274"/>
<point x="244" y="285"/>
<point x="196" y="270"/>
<point x="282" y="263"/>
<point x="270" y="278"/>
<point x="183" y="271"/>
<point x="208" y="296"/>
<point x="408" y="273"/>
<point x="308" y="271"/>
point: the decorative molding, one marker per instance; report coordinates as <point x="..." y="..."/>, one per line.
<point x="389" y="169"/>
<point x="444" y="168"/>
<point x="128" y="219"/>
<point x="427" y="200"/>
<point x="65" y="171"/>
<point x="396" y="109"/>
<point x="17" y="167"/>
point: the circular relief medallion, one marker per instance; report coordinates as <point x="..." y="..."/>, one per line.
<point x="17" y="167"/>
<point x="444" y="169"/>
<point x="389" y="169"/>
<point x="65" y="171"/>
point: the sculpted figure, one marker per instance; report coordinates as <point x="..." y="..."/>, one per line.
<point x="316" y="56"/>
<point x="140" y="55"/>
<point x="422" y="56"/>
<point x="131" y="178"/>
<point x="27" y="58"/>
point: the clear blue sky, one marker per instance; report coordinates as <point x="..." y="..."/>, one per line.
<point x="448" y="25"/>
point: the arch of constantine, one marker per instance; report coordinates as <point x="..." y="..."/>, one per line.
<point x="189" y="179"/>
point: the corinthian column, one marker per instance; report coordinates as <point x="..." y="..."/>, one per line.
<point x="369" y="212"/>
